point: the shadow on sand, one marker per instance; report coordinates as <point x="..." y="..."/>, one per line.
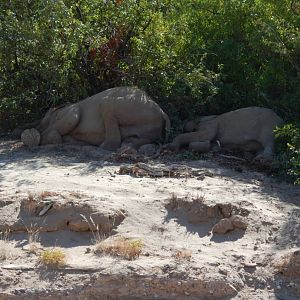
<point x="86" y="159"/>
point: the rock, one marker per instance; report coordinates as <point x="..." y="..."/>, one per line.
<point x="223" y="226"/>
<point x="148" y="150"/>
<point x="88" y="250"/>
<point x="226" y="210"/>
<point x="239" y="222"/>
<point x="31" y="137"/>
<point x="223" y="271"/>
<point x="250" y="264"/>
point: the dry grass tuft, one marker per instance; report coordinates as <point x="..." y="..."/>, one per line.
<point x="30" y="196"/>
<point x="53" y="258"/>
<point x="7" y="249"/>
<point x="46" y="194"/>
<point x="31" y="203"/>
<point x="100" y="234"/>
<point x="77" y="195"/>
<point x="95" y="229"/>
<point x="33" y="239"/>
<point x="126" y="248"/>
<point x="176" y="202"/>
<point x="182" y="255"/>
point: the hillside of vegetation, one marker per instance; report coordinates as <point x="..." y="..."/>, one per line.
<point x="194" y="57"/>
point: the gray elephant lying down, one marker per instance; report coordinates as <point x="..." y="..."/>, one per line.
<point x="247" y="129"/>
<point x="122" y="114"/>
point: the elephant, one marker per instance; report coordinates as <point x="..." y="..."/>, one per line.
<point x="108" y="119"/>
<point x="248" y="129"/>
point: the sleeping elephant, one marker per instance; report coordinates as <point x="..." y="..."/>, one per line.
<point x="121" y="114"/>
<point x="247" y="129"/>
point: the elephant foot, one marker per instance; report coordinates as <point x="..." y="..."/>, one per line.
<point x="51" y="136"/>
<point x="110" y="146"/>
<point x="263" y="159"/>
<point x="127" y="149"/>
<point x="202" y="147"/>
<point x="148" y="150"/>
<point x="171" y="146"/>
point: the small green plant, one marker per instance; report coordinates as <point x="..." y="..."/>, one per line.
<point x="288" y="151"/>
<point x="53" y="258"/>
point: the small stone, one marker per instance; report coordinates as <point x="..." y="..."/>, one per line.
<point x="250" y="265"/>
<point x="223" y="271"/>
<point x="226" y="210"/>
<point x="239" y="222"/>
<point x="223" y="226"/>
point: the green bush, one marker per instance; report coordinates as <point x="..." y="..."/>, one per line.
<point x="194" y="57"/>
<point x="288" y="151"/>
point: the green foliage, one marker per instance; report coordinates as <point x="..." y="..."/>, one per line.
<point x="288" y="149"/>
<point x="194" y="57"/>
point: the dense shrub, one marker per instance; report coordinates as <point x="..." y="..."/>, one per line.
<point x="192" y="56"/>
<point x="288" y="151"/>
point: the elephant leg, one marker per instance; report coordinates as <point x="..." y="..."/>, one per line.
<point x="135" y="142"/>
<point x="267" y="142"/>
<point x="51" y="136"/>
<point x="207" y="131"/>
<point x="267" y="154"/>
<point x="112" y="139"/>
<point x="70" y="140"/>
<point x="202" y="146"/>
<point x="186" y="139"/>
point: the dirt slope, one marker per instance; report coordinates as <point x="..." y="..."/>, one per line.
<point x="173" y="217"/>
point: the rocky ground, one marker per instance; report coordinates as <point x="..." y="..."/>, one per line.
<point x="193" y="229"/>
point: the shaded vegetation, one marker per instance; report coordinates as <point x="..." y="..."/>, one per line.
<point x="192" y="56"/>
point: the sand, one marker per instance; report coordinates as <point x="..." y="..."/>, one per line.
<point x="172" y="217"/>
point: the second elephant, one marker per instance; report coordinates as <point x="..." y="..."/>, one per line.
<point x="248" y="129"/>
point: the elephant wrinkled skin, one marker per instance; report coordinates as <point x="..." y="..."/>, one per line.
<point x="247" y="129"/>
<point x="122" y="114"/>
